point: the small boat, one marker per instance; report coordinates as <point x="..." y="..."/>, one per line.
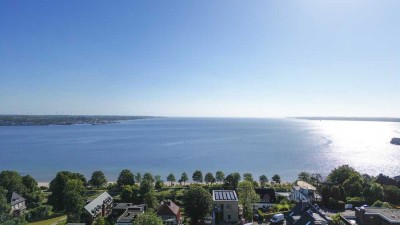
<point x="395" y="141"/>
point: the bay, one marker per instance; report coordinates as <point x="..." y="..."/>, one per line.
<point x="164" y="145"/>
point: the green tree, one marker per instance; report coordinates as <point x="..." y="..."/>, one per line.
<point x="101" y="221"/>
<point x="4" y="206"/>
<point x="276" y="179"/>
<point x="12" y="181"/>
<point x="232" y="181"/>
<point x="150" y="200"/>
<point x="336" y="219"/>
<point x="304" y="176"/>
<point x="138" y="177"/>
<point x="74" y="204"/>
<point x="157" y="178"/>
<point x="339" y="175"/>
<point x="74" y="185"/>
<point x="184" y="178"/>
<point x="130" y="193"/>
<point x="353" y="186"/>
<point x="197" y="203"/>
<point x="57" y="188"/>
<point x="247" y="197"/>
<point x="125" y="178"/>
<point x="209" y="178"/>
<point x="197" y="176"/>
<point x="376" y="191"/>
<point x="248" y="177"/>
<point x="263" y="180"/>
<point x="30" y="183"/>
<point x="98" y="179"/>
<point x="159" y="184"/>
<point x="171" y="178"/>
<point x="149" y="177"/>
<point x="392" y="194"/>
<point x="148" y="218"/>
<point x="220" y="176"/>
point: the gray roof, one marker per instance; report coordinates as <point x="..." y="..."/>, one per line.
<point x="16" y="198"/>
<point x="125" y="206"/>
<point x="128" y="216"/>
<point x="390" y="215"/>
<point x="95" y="205"/>
<point x="224" y="195"/>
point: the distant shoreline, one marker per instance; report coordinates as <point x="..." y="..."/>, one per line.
<point x="367" y="119"/>
<point x="46" y="120"/>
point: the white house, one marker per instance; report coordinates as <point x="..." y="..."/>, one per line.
<point x="304" y="191"/>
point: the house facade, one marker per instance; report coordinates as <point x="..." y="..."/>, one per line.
<point x="99" y="207"/>
<point x="226" y="206"/>
<point x="169" y="212"/>
<point x="18" y="206"/>
<point x="304" y="191"/>
<point x="267" y="198"/>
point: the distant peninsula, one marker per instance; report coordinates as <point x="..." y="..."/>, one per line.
<point x="374" y="119"/>
<point x="44" y="120"/>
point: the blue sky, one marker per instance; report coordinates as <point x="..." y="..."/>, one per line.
<point x="200" y="58"/>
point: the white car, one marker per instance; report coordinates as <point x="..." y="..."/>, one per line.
<point x="277" y="218"/>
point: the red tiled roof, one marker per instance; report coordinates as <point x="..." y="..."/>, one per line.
<point x="168" y="208"/>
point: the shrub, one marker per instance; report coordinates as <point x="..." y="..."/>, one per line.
<point x="356" y="201"/>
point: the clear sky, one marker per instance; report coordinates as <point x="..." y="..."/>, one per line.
<point x="200" y="58"/>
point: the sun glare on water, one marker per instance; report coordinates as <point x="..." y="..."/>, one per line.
<point x="363" y="145"/>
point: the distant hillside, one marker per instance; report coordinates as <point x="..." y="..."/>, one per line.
<point x="376" y="119"/>
<point x="37" y="120"/>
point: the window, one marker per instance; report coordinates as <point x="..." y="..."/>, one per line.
<point x="229" y="217"/>
<point x="228" y="206"/>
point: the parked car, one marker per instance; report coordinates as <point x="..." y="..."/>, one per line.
<point x="277" y="218"/>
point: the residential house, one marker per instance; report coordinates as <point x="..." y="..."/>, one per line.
<point x="304" y="213"/>
<point x="130" y="215"/>
<point x="169" y="213"/>
<point x="381" y="216"/>
<point x="18" y="206"/>
<point x="267" y="198"/>
<point x="99" y="207"/>
<point x="304" y="191"/>
<point x="227" y="206"/>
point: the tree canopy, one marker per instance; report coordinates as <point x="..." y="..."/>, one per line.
<point x="148" y="218"/>
<point x="276" y="178"/>
<point x="209" y="178"/>
<point x="247" y="196"/>
<point x="126" y="177"/>
<point x="184" y="178"/>
<point x="197" y="203"/>
<point x="341" y="174"/>
<point x="219" y="176"/>
<point x="171" y="178"/>
<point x="98" y="179"/>
<point x="197" y="176"/>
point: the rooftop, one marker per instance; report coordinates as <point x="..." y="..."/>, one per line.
<point x="224" y="195"/>
<point x="391" y="215"/>
<point x="167" y="208"/>
<point x="305" y="185"/>
<point x="128" y="216"/>
<point x="96" y="204"/>
<point x="131" y="206"/>
<point x="16" y="198"/>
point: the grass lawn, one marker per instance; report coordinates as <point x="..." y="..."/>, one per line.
<point x="53" y="221"/>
